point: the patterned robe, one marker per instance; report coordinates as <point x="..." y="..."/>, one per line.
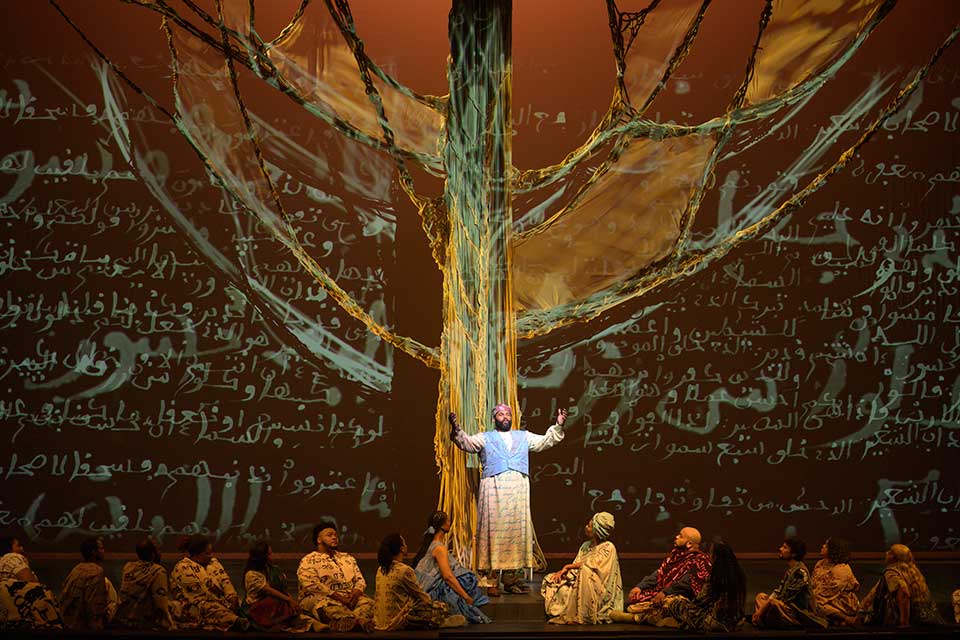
<point x="504" y="526"/>
<point x="267" y="612"/>
<point x="401" y="603"/>
<point x="11" y="564"/>
<point x="707" y="612"/>
<point x="25" y="605"/>
<point x="682" y="573"/>
<point x="586" y="595"/>
<point x="85" y="598"/>
<point x="791" y="603"/>
<point x="319" y="576"/>
<point x="144" y="597"/>
<point x="881" y="602"/>
<point x="203" y="597"/>
<point x="834" y="591"/>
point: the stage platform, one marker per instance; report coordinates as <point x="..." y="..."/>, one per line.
<point x="521" y="616"/>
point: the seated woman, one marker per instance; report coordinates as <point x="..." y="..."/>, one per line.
<point x="901" y="597"/>
<point x="144" y="591"/>
<point x="590" y="589"/>
<point x="400" y="602"/>
<point x="834" y="585"/>
<point x="88" y="600"/>
<point x="24" y="602"/>
<point x="267" y="604"/>
<point x="201" y="592"/>
<point x="719" y="606"/>
<point x="445" y="579"/>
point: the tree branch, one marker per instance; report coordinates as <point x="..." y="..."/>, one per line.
<point x="654" y="276"/>
<point x="425" y="354"/>
<point x="641" y="128"/>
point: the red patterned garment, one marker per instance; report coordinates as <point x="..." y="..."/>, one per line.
<point x="682" y="573"/>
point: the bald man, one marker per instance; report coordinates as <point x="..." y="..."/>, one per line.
<point x="682" y="573"/>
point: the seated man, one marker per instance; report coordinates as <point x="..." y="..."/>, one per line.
<point x="791" y="604"/>
<point x="144" y="591"/>
<point x="683" y="573"/>
<point x="900" y="598"/>
<point x="331" y="586"/>
<point x="88" y="600"/>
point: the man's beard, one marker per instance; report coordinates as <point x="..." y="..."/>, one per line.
<point x="503" y="426"/>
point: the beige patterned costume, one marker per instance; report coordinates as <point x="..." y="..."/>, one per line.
<point x="144" y="597"/>
<point x="203" y="597"/>
<point x="401" y="602"/>
<point x="320" y="576"/>
<point x="586" y="595"/>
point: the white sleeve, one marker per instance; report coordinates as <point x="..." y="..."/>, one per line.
<point x="469" y="443"/>
<point x="541" y="443"/>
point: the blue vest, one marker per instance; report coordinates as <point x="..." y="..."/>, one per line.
<point x="496" y="458"/>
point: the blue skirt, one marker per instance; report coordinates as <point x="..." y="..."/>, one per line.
<point x="437" y="589"/>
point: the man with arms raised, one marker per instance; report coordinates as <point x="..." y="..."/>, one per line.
<point x="504" y="526"/>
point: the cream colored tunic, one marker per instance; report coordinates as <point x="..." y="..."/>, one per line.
<point x="586" y="595"/>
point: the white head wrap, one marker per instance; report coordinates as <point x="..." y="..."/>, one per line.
<point x="603" y="524"/>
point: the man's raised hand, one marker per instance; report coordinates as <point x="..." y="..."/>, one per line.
<point x="454" y="427"/>
<point x="561" y="417"/>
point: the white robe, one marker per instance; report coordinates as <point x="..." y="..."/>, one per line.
<point x="586" y="595"/>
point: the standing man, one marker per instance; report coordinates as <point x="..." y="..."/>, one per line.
<point x="504" y="526"/>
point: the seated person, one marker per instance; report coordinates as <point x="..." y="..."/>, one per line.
<point x="791" y="603"/>
<point x="401" y="603"/>
<point x="267" y="604"/>
<point x="588" y="590"/>
<point x="331" y="586"/>
<point x="834" y="585"/>
<point x="900" y="598"/>
<point x="88" y="600"/>
<point x="202" y="594"/>
<point x="682" y="573"/>
<point x="719" y="606"/>
<point x="25" y="603"/>
<point x="144" y="591"/>
<point x="445" y="579"/>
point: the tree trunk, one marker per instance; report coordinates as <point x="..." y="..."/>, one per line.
<point x="479" y="338"/>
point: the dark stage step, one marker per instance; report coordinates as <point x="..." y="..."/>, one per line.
<point x="518" y="608"/>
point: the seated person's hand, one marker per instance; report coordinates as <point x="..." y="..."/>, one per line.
<point x="634" y="594"/>
<point x="355" y="597"/>
<point x="659" y="598"/>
